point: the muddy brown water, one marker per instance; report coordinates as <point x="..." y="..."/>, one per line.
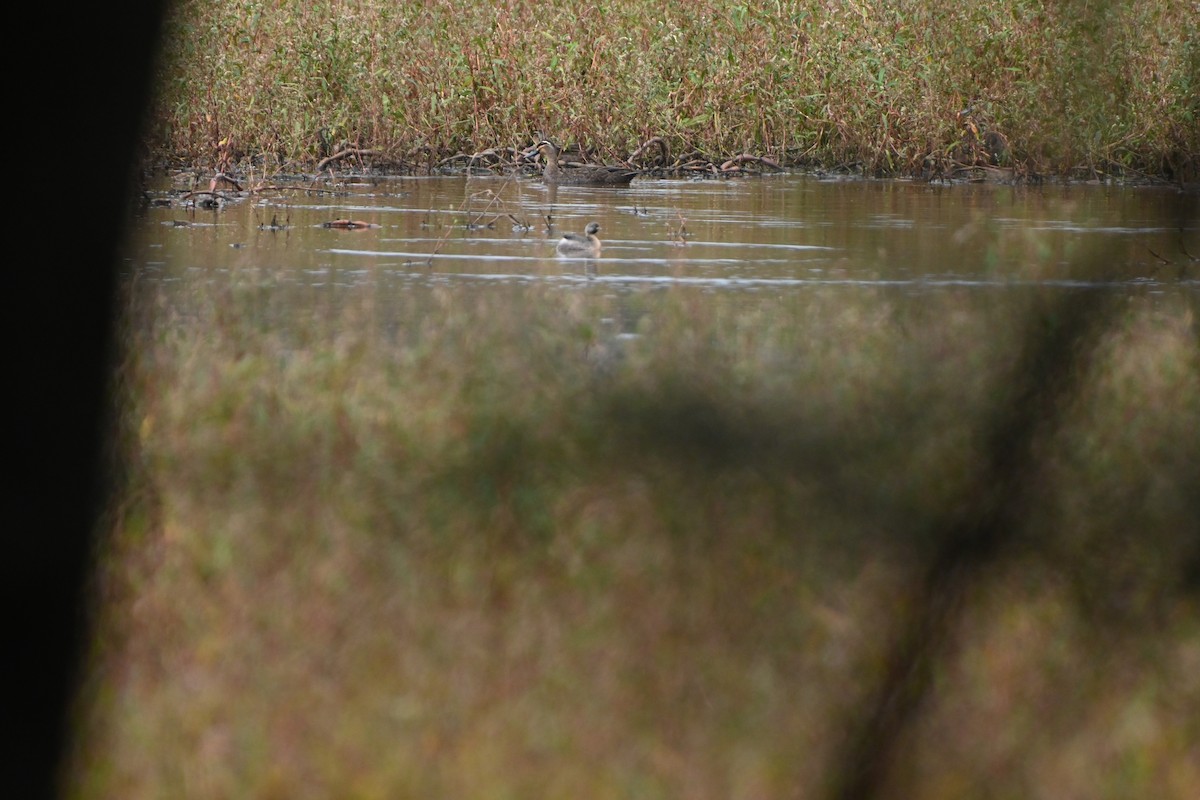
<point x="759" y="236"/>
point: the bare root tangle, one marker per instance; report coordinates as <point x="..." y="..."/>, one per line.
<point x="346" y="153"/>
<point x="698" y="165"/>
<point x="494" y="159"/>
<point x="506" y="159"/>
<point x="735" y="164"/>
<point x="495" y="156"/>
<point x="663" y="146"/>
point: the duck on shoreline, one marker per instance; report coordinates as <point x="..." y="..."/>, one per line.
<point x="586" y="175"/>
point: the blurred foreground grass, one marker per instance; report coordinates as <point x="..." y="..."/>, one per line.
<point x="535" y="542"/>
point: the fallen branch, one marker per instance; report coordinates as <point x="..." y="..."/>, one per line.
<point x="456" y="157"/>
<point x="203" y="193"/>
<point x="223" y="181"/>
<point x="338" y="156"/>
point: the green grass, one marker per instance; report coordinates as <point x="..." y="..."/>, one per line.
<point x="1078" y="88"/>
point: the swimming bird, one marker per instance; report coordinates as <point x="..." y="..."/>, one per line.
<point x="585" y="244"/>
<point x="586" y="175"/>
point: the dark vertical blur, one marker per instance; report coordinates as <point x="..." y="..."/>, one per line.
<point x="969" y="542"/>
<point x="74" y="133"/>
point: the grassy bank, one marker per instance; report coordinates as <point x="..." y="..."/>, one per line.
<point x="1075" y="88"/>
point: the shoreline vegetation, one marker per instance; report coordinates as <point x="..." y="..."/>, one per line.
<point x="936" y="89"/>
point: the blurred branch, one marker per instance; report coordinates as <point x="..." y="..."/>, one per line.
<point x="1049" y="371"/>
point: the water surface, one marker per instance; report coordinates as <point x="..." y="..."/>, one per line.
<point x="781" y="233"/>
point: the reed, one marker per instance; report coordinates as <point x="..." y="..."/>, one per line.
<point x="1077" y="88"/>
